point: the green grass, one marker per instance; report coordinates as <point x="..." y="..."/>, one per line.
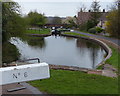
<point x="42" y="31"/>
<point x="75" y="82"/>
<point x="113" y="60"/>
<point x="85" y="31"/>
<point x="72" y="33"/>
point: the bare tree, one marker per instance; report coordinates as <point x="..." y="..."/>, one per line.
<point x="56" y="20"/>
<point x="95" y="12"/>
<point x="82" y="8"/>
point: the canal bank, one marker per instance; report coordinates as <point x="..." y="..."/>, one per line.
<point x="112" y="69"/>
<point x="87" y="70"/>
<point x="106" y="48"/>
<point x="74" y="69"/>
<point x="98" y="42"/>
<point x="80" y="89"/>
<point x="61" y="50"/>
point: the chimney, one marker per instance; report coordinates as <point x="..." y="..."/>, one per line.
<point x="104" y="10"/>
<point x="89" y="10"/>
<point x="81" y="10"/>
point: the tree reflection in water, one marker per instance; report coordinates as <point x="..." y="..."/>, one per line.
<point x="93" y="48"/>
<point x="34" y="41"/>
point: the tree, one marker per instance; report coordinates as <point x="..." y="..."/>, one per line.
<point x="71" y="21"/>
<point x="82" y="8"/>
<point x="56" y="20"/>
<point x="93" y="16"/>
<point x="89" y="24"/>
<point x="12" y="22"/>
<point x="12" y="25"/>
<point x="113" y="20"/>
<point x="0" y="21"/>
<point x="95" y="12"/>
<point x="36" y="19"/>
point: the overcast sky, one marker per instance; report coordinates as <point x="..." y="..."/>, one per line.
<point x="60" y="8"/>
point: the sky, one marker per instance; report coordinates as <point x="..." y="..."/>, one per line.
<point x="60" y="8"/>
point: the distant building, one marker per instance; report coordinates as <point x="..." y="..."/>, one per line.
<point x="51" y="24"/>
<point x="50" y="19"/>
<point x="55" y="25"/>
<point x="83" y="17"/>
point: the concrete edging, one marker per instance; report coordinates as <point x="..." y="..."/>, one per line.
<point x="101" y="43"/>
<point x="39" y="35"/>
<point x="86" y="70"/>
<point x="111" y="44"/>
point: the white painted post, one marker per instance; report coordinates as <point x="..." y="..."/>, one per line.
<point x="23" y="73"/>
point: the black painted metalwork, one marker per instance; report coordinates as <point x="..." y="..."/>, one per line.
<point x="30" y="60"/>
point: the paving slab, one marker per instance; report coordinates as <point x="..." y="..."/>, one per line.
<point x="109" y="73"/>
<point x="31" y="88"/>
<point x="12" y="86"/>
<point x="28" y="90"/>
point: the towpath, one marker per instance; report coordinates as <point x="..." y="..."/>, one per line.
<point x="114" y="40"/>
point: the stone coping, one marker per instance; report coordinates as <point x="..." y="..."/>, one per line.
<point x="104" y="72"/>
<point x="72" y="68"/>
<point x="39" y="35"/>
<point x="111" y="44"/>
<point x="102" y="44"/>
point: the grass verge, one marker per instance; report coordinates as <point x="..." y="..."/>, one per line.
<point x="113" y="60"/>
<point x="41" y="31"/>
<point x="75" y="82"/>
<point x="72" y="33"/>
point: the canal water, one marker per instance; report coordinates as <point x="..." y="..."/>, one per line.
<point x="60" y="50"/>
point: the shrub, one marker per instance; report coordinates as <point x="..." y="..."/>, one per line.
<point x="92" y="30"/>
<point x="99" y="30"/>
<point x="89" y="24"/>
<point x="82" y="26"/>
<point x="9" y="53"/>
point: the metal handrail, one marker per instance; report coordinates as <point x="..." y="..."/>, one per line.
<point x="30" y="60"/>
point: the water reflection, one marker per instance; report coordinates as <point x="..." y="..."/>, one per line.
<point x="61" y="51"/>
<point x="34" y="41"/>
<point x="94" y="50"/>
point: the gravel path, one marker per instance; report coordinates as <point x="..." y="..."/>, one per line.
<point x="116" y="41"/>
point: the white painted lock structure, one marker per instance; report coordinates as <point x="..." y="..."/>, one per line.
<point x="15" y="74"/>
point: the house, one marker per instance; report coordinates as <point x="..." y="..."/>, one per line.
<point x="83" y="17"/>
